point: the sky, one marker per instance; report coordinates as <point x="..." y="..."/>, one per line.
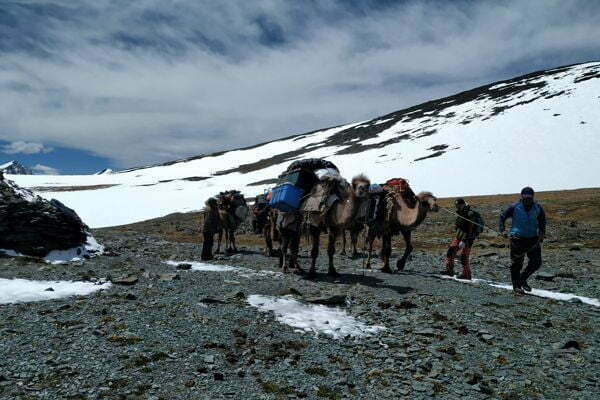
<point x="93" y="84"/>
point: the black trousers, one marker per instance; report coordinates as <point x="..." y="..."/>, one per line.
<point x="207" y="246"/>
<point x="519" y="248"/>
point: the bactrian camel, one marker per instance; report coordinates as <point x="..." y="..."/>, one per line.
<point x="399" y="218"/>
<point x="340" y="216"/>
<point x="232" y="212"/>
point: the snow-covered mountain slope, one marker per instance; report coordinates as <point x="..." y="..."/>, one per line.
<point x="540" y="129"/>
<point x="15" y="168"/>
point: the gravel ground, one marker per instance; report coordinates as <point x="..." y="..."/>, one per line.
<point x="194" y="336"/>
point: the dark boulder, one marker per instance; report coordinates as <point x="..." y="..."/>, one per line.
<point x="34" y="226"/>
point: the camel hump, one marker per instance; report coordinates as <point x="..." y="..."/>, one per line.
<point x="401" y="186"/>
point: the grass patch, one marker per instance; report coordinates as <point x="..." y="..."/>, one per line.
<point x="276" y="389"/>
<point x="327" y="393"/>
<point x="501" y="360"/>
<point x="438" y="387"/>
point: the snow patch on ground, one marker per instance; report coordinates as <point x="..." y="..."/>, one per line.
<point x="205" y="267"/>
<point x="317" y="319"/>
<point x="24" y="290"/>
<point x="534" y="292"/>
<point x="90" y="248"/>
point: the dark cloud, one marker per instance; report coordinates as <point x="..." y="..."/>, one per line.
<point x="153" y="80"/>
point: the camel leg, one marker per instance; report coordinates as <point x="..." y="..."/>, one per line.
<point x="294" y="248"/>
<point x="408" y="249"/>
<point x="370" y="239"/>
<point x="235" y="249"/>
<point x="226" y="234"/>
<point x="268" y="240"/>
<point x="314" y="253"/>
<point x="386" y="249"/>
<point x="220" y="238"/>
<point x="331" y="251"/>
<point x="354" y="238"/>
<point x="283" y="257"/>
<point x="343" y="252"/>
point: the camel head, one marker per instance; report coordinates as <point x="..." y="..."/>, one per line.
<point x="360" y="186"/>
<point x="428" y="200"/>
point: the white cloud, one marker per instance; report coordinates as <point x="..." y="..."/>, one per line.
<point x="45" y="170"/>
<point x="25" y="148"/>
<point x="155" y="82"/>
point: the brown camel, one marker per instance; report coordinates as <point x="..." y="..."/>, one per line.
<point x="340" y="216"/>
<point x="354" y="230"/>
<point x="399" y="218"/>
<point x="232" y="212"/>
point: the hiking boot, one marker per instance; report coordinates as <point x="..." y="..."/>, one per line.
<point x="526" y="287"/>
<point x="518" y="291"/>
<point x="464" y="276"/>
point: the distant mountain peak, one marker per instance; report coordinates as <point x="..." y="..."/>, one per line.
<point x="15" y="168"/>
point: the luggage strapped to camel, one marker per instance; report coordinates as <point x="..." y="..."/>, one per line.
<point x="234" y="203"/>
<point x="306" y="185"/>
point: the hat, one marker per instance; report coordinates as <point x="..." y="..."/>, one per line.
<point x="460" y="200"/>
<point x="527" y="191"/>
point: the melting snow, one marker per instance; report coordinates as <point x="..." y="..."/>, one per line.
<point x="204" y="267"/>
<point x="313" y="318"/>
<point x="535" y="292"/>
<point x="23" y="290"/>
<point x="91" y="247"/>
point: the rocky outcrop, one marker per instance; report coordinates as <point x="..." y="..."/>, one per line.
<point x="34" y="226"/>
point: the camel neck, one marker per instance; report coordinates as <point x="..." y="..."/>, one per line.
<point x="409" y="216"/>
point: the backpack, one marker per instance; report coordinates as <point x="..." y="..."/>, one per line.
<point x="479" y="222"/>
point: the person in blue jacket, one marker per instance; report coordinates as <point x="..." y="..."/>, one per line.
<point x="526" y="235"/>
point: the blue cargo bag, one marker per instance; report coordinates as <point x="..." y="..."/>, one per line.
<point x="286" y="197"/>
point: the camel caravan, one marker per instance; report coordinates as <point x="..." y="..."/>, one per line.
<point x="312" y="198"/>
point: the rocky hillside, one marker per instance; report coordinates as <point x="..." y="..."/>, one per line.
<point x="538" y="129"/>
